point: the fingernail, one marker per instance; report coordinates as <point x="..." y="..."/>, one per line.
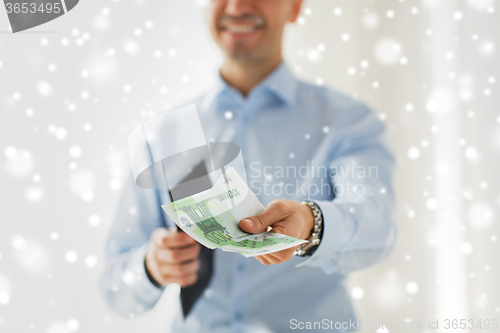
<point x="249" y="223"/>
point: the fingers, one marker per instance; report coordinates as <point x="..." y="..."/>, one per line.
<point x="284" y="255"/>
<point x="167" y="239"/>
<point x="273" y="259"/>
<point x="185" y="274"/>
<point x="183" y="281"/>
<point x="276" y="257"/>
<point x="177" y="255"/>
<point x="177" y="265"/>
<point x="172" y="257"/>
<point x="263" y="260"/>
<point x="180" y="270"/>
<point x="275" y="211"/>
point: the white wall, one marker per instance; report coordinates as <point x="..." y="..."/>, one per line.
<point x="47" y="197"/>
<point x="453" y="119"/>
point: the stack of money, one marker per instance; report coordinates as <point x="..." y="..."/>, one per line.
<point x="211" y="217"/>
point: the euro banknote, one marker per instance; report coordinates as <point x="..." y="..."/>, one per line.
<point x="211" y="217"/>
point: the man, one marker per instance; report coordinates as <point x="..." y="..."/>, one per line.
<point x="299" y="142"/>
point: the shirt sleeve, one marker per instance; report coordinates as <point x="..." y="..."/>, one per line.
<point x="358" y="226"/>
<point x="125" y="283"/>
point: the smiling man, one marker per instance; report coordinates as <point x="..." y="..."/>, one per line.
<point x="280" y="123"/>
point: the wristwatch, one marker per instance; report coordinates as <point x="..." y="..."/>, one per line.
<point x="307" y="249"/>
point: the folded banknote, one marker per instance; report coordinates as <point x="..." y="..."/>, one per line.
<point x="211" y="217"/>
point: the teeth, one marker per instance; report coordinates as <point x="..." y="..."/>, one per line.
<point x="240" y="28"/>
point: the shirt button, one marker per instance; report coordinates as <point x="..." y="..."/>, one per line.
<point x="238" y="316"/>
<point x="241" y="267"/>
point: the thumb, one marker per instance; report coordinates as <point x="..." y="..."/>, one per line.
<point x="275" y="212"/>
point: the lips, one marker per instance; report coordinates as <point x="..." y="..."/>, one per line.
<point x="240" y="29"/>
<point x="241" y="26"/>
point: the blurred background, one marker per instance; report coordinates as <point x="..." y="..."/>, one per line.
<point x="72" y="90"/>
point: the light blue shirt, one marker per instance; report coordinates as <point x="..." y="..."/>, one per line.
<point x="299" y="141"/>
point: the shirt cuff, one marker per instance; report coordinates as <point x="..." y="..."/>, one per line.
<point x="144" y="287"/>
<point x="335" y="234"/>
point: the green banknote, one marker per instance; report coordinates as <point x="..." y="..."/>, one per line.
<point x="211" y="217"/>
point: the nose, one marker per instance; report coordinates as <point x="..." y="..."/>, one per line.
<point x="238" y="7"/>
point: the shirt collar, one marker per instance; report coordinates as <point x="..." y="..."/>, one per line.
<point x="279" y="82"/>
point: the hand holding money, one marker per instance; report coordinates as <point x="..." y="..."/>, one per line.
<point x="211" y="217"/>
<point x="172" y="257"/>
<point x="285" y="217"/>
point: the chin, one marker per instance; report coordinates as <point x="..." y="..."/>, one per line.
<point x="240" y="50"/>
<point x="241" y="55"/>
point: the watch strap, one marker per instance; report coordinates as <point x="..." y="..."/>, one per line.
<point x="307" y="249"/>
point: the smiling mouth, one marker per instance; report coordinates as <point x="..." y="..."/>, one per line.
<point x="238" y="26"/>
<point x="240" y="29"/>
